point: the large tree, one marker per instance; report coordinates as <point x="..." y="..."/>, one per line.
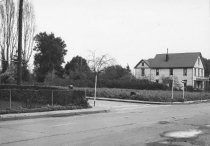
<point x="77" y="64"/>
<point x="8" y="32"/>
<point x="50" y="51"/>
<point x="9" y="16"/>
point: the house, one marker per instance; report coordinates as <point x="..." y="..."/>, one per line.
<point x="184" y="67"/>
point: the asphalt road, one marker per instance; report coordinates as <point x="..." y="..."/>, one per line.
<point x="126" y="124"/>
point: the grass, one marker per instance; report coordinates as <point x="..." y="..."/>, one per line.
<point x="146" y="95"/>
<point x="19" y="107"/>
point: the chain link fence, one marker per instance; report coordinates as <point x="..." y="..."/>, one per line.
<point x="20" y="99"/>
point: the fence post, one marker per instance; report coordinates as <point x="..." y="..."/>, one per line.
<point x="52" y="98"/>
<point x="10" y="99"/>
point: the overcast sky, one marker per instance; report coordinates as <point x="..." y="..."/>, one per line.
<point x="128" y="30"/>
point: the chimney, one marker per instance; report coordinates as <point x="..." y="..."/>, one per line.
<point x="167" y="57"/>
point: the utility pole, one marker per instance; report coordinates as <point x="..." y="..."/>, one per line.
<point x="19" y="68"/>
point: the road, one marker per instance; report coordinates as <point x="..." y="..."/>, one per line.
<point x="125" y="124"/>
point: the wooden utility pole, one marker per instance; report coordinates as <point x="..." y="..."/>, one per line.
<point x="20" y="19"/>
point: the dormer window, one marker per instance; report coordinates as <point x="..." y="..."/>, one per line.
<point x="142" y="63"/>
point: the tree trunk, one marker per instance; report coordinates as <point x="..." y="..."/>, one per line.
<point x="96" y="78"/>
<point x="19" y="70"/>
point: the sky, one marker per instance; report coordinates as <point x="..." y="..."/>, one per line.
<point x="127" y="30"/>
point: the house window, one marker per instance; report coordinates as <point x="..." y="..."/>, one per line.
<point x="195" y="71"/>
<point x="202" y="72"/>
<point x="157" y="72"/>
<point x="171" y="71"/>
<point x="185" y="83"/>
<point x="157" y="81"/>
<point x="185" y="72"/>
<point x="142" y="72"/>
<point x="142" y="63"/>
<point x="199" y="72"/>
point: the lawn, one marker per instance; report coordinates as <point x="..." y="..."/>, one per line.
<point x="146" y="95"/>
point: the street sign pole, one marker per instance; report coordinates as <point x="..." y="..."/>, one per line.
<point x="172" y="90"/>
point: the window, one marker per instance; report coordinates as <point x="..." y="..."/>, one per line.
<point x="157" y="72"/>
<point x="171" y="71"/>
<point x="202" y="72"/>
<point x="185" y="83"/>
<point x="157" y="81"/>
<point x="199" y="72"/>
<point x="142" y="72"/>
<point x="185" y="72"/>
<point x="195" y="71"/>
<point x="142" y="63"/>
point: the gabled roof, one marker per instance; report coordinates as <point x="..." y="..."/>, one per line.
<point x="175" y="60"/>
<point x="143" y="60"/>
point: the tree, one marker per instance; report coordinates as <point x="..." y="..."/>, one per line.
<point x="28" y="30"/>
<point x="128" y="68"/>
<point x="50" y="51"/>
<point x="115" y="72"/>
<point x="9" y="16"/>
<point x="206" y="63"/>
<point x="8" y="32"/>
<point x="77" y="64"/>
<point x="19" y="68"/>
<point x="97" y="65"/>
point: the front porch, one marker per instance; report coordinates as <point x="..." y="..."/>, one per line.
<point x="199" y="82"/>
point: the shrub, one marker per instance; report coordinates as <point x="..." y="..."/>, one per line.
<point x="189" y="88"/>
<point x="31" y="96"/>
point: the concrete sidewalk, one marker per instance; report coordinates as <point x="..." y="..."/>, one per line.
<point x="60" y="113"/>
<point x="146" y="102"/>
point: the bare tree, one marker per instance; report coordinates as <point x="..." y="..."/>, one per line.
<point x="28" y="30"/>
<point x="97" y="64"/>
<point x="8" y="33"/>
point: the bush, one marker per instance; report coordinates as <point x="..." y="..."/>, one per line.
<point x="189" y="88"/>
<point x="31" y="96"/>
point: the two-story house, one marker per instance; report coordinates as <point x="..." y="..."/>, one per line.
<point x="187" y="67"/>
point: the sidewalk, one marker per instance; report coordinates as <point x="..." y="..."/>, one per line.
<point x="146" y="102"/>
<point x="60" y="113"/>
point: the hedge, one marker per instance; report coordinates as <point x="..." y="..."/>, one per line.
<point x="33" y="96"/>
<point x="146" y="95"/>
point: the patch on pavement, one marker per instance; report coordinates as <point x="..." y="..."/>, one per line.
<point x="183" y="134"/>
<point x="163" y="122"/>
<point x="180" y="138"/>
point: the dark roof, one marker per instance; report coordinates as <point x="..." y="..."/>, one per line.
<point x="175" y="60"/>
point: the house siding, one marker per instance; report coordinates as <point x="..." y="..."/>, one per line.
<point x="178" y="73"/>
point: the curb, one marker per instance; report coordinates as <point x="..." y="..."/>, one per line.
<point x="66" y="113"/>
<point x="147" y="102"/>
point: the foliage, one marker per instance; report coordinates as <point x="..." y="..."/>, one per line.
<point x="114" y="72"/>
<point x="77" y="64"/>
<point x="31" y="96"/>
<point x="168" y="82"/>
<point x="206" y="63"/>
<point x="50" y="51"/>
